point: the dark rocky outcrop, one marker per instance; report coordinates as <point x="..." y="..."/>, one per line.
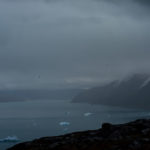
<point x="130" y="136"/>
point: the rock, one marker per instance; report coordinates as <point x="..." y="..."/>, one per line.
<point x="106" y="126"/>
<point x="130" y="136"/>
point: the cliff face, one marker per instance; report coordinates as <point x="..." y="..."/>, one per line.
<point x="130" y="136"/>
<point x="133" y="92"/>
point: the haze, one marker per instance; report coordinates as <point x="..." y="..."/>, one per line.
<point x="49" y="44"/>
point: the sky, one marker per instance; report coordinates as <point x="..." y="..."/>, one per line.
<point x="72" y="43"/>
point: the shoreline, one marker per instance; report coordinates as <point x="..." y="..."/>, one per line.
<point x="134" y="135"/>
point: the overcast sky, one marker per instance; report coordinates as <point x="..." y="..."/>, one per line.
<point x="72" y="43"/>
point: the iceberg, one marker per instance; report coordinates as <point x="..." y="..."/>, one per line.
<point x="64" y="123"/>
<point x="10" y="139"/>
<point x="87" y="114"/>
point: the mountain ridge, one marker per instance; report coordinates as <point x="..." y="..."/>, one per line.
<point x="132" y="92"/>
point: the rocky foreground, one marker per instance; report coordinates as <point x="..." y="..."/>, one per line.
<point x="130" y="136"/>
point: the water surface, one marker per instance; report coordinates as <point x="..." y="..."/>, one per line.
<point x="33" y="119"/>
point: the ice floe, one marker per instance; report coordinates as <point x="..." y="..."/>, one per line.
<point x="10" y="139"/>
<point x="87" y="114"/>
<point x="64" y="123"/>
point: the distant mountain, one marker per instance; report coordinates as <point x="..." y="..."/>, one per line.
<point x="23" y="95"/>
<point x="132" y="92"/>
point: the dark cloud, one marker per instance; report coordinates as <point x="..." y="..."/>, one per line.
<point x="71" y="43"/>
<point x="144" y="2"/>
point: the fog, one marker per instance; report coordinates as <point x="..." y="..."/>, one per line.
<point x="72" y="43"/>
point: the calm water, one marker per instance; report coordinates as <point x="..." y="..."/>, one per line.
<point x="34" y="119"/>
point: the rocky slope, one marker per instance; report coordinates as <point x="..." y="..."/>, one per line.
<point x="132" y="92"/>
<point x="130" y="136"/>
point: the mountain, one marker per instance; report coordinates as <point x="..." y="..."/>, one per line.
<point x="36" y="94"/>
<point x="132" y="92"/>
<point x="129" y="136"/>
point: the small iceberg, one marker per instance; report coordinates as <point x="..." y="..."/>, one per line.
<point x="64" y="123"/>
<point x="10" y="139"/>
<point x="87" y="114"/>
